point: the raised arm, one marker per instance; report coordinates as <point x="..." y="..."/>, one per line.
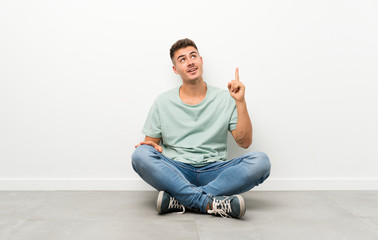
<point x="243" y="132"/>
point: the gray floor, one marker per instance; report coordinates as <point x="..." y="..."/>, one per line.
<point x="109" y="215"/>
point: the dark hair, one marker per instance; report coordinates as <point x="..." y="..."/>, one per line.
<point x="182" y="43"/>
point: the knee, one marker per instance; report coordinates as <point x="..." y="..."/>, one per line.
<point x="263" y="159"/>
<point x="140" y="155"/>
<point x="262" y="162"/>
<point x="258" y="168"/>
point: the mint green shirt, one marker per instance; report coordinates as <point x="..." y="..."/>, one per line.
<point x="193" y="134"/>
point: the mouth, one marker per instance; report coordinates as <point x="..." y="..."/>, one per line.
<point x="192" y="70"/>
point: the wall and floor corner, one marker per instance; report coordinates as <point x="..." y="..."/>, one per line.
<point x="77" y="79"/>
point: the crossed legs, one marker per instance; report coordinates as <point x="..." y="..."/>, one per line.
<point x="194" y="187"/>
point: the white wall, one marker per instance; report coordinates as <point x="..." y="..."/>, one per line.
<point x="77" y="79"/>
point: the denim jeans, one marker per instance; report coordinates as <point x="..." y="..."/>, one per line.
<point x="195" y="186"/>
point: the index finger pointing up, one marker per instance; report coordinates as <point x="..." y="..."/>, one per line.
<point x="237" y="74"/>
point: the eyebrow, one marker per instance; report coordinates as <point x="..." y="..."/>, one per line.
<point x="189" y="54"/>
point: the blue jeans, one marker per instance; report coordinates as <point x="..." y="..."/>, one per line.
<point x="194" y="186"/>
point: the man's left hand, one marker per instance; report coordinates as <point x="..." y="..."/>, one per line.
<point x="237" y="88"/>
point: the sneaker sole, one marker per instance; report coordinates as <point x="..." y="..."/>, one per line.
<point x="242" y="205"/>
<point x="159" y="201"/>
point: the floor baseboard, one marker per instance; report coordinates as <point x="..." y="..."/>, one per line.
<point x="137" y="184"/>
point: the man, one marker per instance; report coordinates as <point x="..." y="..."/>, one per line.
<point x="184" y="154"/>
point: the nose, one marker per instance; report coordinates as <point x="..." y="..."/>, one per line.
<point x="190" y="61"/>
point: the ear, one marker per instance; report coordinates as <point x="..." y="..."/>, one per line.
<point x="174" y="69"/>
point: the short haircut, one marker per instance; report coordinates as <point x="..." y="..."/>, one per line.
<point x="182" y="43"/>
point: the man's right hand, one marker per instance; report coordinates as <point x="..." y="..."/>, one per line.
<point x="153" y="142"/>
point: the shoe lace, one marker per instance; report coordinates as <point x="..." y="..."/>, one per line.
<point x="175" y="204"/>
<point x="221" y="207"/>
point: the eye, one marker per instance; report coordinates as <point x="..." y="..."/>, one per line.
<point x="182" y="59"/>
<point x="193" y="56"/>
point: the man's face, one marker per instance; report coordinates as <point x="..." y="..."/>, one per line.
<point x="188" y="63"/>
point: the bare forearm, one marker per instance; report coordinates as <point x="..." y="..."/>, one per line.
<point x="243" y="131"/>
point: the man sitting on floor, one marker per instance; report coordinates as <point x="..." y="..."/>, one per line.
<point x="184" y="154"/>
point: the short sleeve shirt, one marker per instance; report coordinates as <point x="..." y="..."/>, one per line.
<point x="193" y="134"/>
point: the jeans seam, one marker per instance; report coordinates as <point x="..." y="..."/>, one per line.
<point x="229" y="162"/>
<point x="175" y="162"/>
<point x="178" y="173"/>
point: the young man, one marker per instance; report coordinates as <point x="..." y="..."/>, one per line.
<point x="184" y="154"/>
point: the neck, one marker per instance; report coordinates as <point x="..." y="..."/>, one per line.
<point x="193" y="94"/>
<point x="193" y="89"/>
